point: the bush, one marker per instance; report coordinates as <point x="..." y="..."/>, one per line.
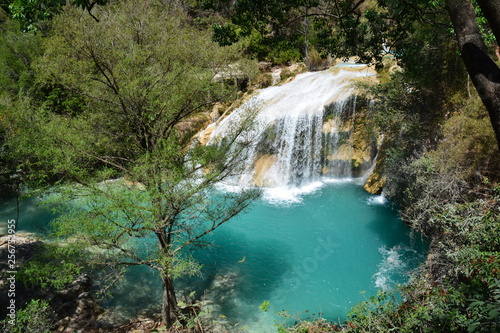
<point x="315" y="61"/>
<point x="34" y="318"/>
<point x="285" y="52"/>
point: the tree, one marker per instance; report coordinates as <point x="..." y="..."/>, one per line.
<point x="484" y="73"/>
<point x="394" y="22"/>
<point x="144" y="75"/>
<point x="35" y="13"/>
<point x="19" y="50"/>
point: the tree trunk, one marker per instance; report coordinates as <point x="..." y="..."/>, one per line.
<point x="484" y="73"/>
<point x="169" y="302"/>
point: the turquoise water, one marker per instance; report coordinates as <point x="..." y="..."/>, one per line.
<point x="322" y="254"/>
<point x="320" y="249"/>
<point x="316" y="250"/>
<point x="30" y="217"/>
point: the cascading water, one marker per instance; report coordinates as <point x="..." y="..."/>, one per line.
<point x="316" y="254"/>
<point x="303" y="130"/>
<point x="306" y="252"/>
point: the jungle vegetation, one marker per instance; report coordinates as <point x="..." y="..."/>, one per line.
<point x="97" y="90"/>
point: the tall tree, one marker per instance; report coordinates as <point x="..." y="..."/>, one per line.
<point x="34" y="14"/>
<point x="484" y="73"/>
<point x="143" y="75"/>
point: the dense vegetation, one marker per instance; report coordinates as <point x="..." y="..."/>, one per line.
<point x="103" y="89"/>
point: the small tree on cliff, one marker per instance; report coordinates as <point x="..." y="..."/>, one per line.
<point x="143" y="75"/>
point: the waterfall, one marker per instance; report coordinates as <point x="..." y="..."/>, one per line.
<point x="303" y="130"/>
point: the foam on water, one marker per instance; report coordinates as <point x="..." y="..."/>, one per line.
<point x="292" y="136"/>
<point x="344" y="180"/>
<point x="394" y="265"/>
<point x="377" y="200"/>
<point x="286" y="195"/>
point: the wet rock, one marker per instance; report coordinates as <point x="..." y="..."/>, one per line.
<point x="375" y="183"/>
<point x="377" y="179"/>
<point x="262" y="165"/>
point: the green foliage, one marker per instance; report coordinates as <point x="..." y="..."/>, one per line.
<point x="295" y="324"/>
<point x="227" y="34"/>
<point x="272" y="31"/>
<point x="377" y="314"/>
<point x="486" y="33"/>
<point x="33" y="318"/>
<point x="123" y="97"/>
<point x="32" y="14"/>
<point x="444" y="194"/>
<point x="433" y="309"/>
<point x="192" y="316"/>
<point x="315" y="61"/>
<point x="285" y="52"/>
<point x="17" y="76"/>
<point x="19" y="50"/>
<point x="440" y="148"/>
<point x="179" y="265"/>
<point x="35" y="14"/>
<point x="265" y="306"/>
<point x="53" y="265"/>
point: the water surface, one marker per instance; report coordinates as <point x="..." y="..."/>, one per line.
<point x="319" y="249"/>
<point x="322" y="252"/>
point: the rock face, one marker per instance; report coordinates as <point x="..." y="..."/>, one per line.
<point x="75" y="304"/>
<point x="350" y="144"/>
<point x="376" y="181"/>
<point x="262" y="165"/>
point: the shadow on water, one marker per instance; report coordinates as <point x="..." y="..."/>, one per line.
<point x="391" y="230"/>
<point x="30" y="217"/>
<point x="236" y="273"/>
<point x="137" y="293"/>
<point x="239" y="272"/>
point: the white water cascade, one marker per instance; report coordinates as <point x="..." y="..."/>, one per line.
<point x="304" y="130"/>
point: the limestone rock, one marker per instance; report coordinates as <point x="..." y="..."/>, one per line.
<point x="217" y="111"/>
<point x="377" y="179"/>
<point x="261" y="167"/>
<point x="375" y="183"/>
<point x="205" y="135"/>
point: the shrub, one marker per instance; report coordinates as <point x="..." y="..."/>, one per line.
<point x="33" y="318"/>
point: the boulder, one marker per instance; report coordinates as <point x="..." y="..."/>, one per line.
<point x="375" y="183"/>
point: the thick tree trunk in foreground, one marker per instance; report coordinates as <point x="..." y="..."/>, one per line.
<point x="484" y="73"/>
<point x="169" y="302"/>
